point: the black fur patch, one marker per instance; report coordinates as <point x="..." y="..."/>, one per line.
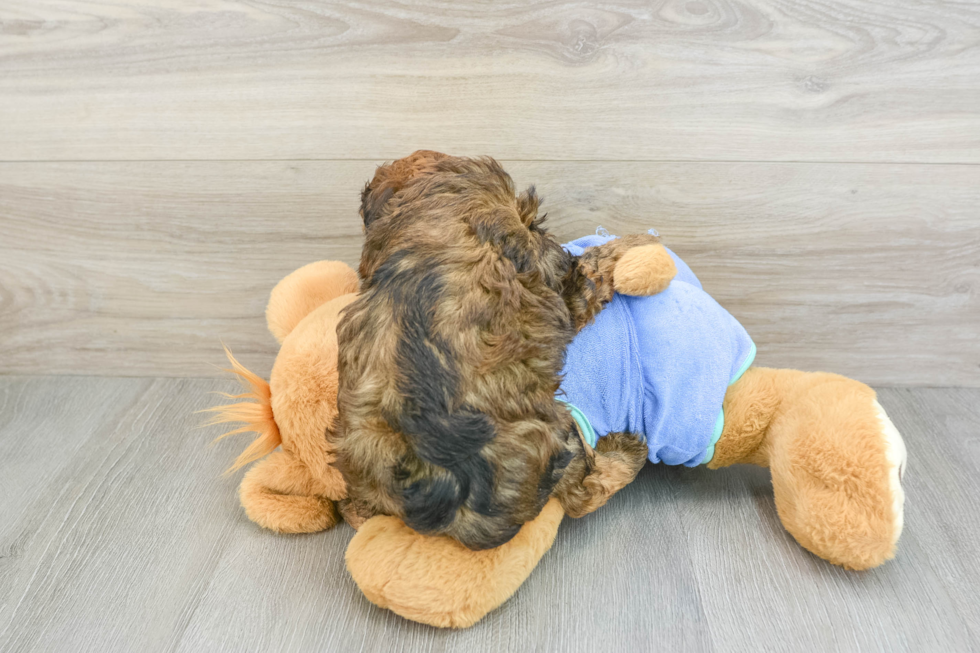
<point x="553" y="473"/>
<point x="513" y="246"/>
<point x="443" y="433"/>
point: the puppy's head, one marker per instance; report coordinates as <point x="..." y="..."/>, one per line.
<point x="450" y="359"/>
<point x="418" y="201"/>
<point x="391" y="178"/>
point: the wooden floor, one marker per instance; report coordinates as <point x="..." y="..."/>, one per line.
<point x="118" y="533"/>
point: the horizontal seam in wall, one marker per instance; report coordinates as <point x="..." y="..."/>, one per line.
<point x="504" y="159"/>
<point x="21" y="376"/>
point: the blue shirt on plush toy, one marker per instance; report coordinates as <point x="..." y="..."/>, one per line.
<point x="658" y="366"/>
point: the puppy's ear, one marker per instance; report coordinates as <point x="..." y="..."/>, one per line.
<point x="373" y="201"/>
<point x="527" y="207"/>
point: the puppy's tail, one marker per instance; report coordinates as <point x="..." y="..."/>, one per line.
<point x="256" y="413"/>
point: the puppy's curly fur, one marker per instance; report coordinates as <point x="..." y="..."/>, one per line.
<point x="450" y="359"/>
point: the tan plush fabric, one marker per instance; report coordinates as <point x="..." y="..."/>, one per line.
<point x="293" y="490"/>
<point x="304" y="393"/>
<point x="302" y="291"/>
<point x="822" y="439"/>
<point x="280" y="494"/>
<point x="436" y="580"/>
<point x="823" y="436"/>
<point x="644" y="270"/>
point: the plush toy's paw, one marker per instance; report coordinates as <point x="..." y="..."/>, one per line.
<point x="644" y="270"/>
<point x="836" y="463"/>
<point x="897" y="458"/>
<point x="435" y="580"/>
<point x="303" y="290"/>
<point x="280" y="494"/>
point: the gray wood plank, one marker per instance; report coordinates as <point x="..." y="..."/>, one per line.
<point x="144" y="268"/>
<point x="45" y="423"/>
<point x="853" y="80"/>
<point x="113" y="546"/>
<point x="117" y="533"/>
<point x="945" y="474"/>
<point x="923" y="600"/>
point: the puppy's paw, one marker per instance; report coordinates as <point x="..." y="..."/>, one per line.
<point x="644" y="270"/>
<point x="353" y="513"/>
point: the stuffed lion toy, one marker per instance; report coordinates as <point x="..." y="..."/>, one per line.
<point x="673" y="366"/>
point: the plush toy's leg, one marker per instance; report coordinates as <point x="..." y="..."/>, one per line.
<point x="302" y="291"/>
<point x="303" y="387"/>
<point x="436" y="580"/>
<point x="644" y="270"/>
<point x="280" y="493"/>
<point x="835" y="457"/>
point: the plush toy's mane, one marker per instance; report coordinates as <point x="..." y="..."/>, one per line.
<point x="256" y="414"/>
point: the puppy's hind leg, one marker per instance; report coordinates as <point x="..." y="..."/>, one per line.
<point x="595" y="475"/>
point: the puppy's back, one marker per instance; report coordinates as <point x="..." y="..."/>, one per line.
<point x="449" y="360"/>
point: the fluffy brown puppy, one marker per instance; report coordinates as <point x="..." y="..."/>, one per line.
<point x="450" y="359"/>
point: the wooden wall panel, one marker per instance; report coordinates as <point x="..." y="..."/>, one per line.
<point x="746" y="80"/>
<point x="145" y="268"/>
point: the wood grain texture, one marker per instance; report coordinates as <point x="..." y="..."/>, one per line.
<point x="802" y="80"/>
<point x="145" y="268"/>
<point x="119" y="534"/>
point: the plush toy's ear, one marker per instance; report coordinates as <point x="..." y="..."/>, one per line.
<point x="437" y="581"/>
<point x="305" y="289"/>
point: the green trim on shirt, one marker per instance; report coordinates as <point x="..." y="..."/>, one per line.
<point x="583" y="423"/>
<point x="709" y="453"/>
<point x="746" y="365"/>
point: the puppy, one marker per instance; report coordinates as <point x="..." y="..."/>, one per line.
<point x="449" y="360"/>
